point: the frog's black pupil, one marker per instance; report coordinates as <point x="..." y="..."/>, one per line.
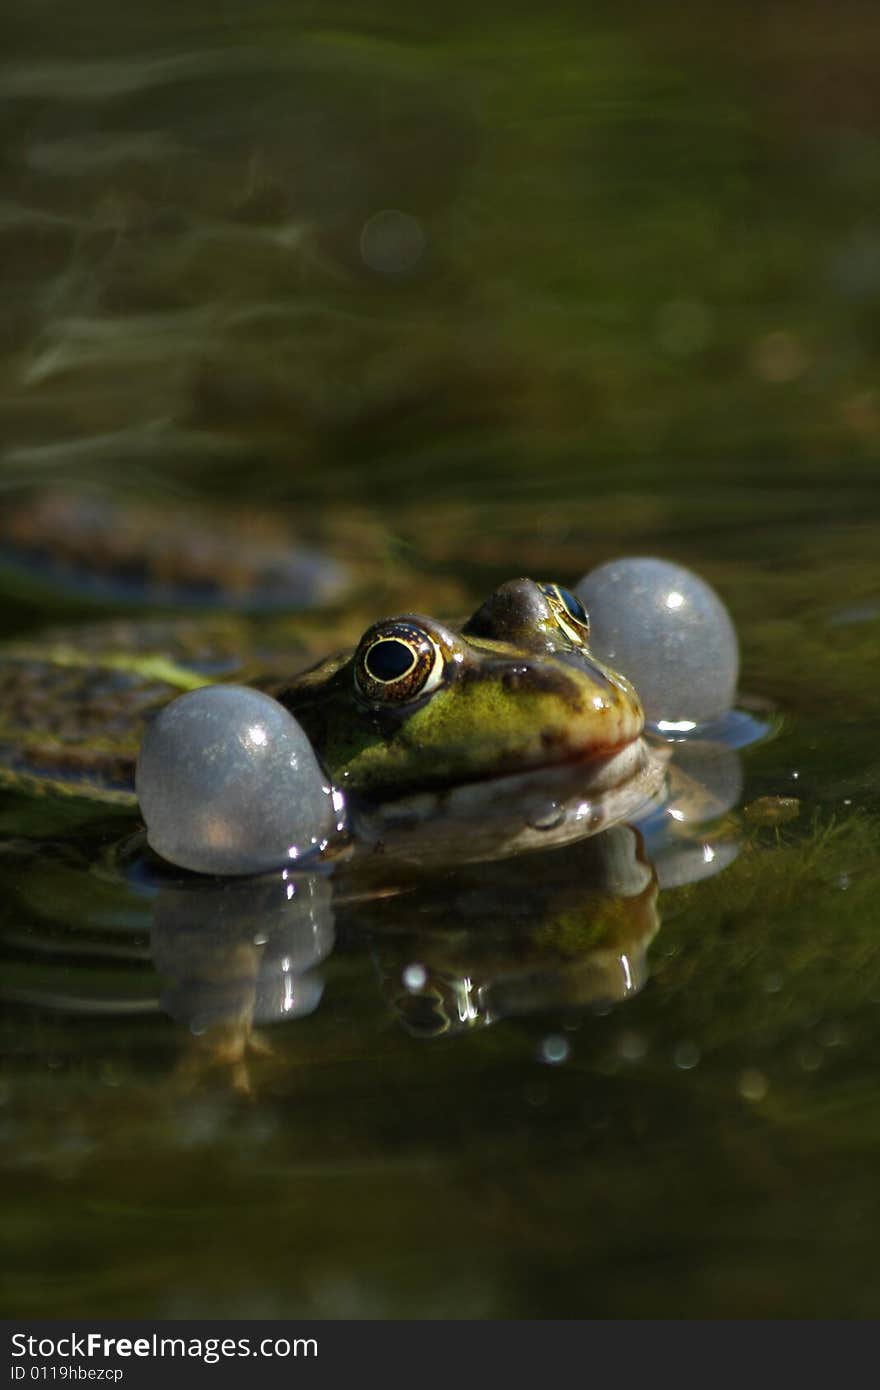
<point x="574" y="605"/>
<point x="389" y="660"/>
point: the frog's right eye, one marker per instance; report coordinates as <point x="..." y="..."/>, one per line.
<point x="569" y="612"/>
<point x="396" y="662"/>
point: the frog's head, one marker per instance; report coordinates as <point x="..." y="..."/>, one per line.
<point x="420" y="705"/>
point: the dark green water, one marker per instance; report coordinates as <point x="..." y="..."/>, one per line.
<point x="634" y="306"/>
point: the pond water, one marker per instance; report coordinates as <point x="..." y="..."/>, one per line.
<point x="456" y="297"/>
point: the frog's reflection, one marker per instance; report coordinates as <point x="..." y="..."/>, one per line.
<point x="560" y="930"/>
<point x="705" y="783"/>
<point x="235" y="953"/>
<point x="456" y="947"/>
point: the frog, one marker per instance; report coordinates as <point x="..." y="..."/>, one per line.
<point x="455" y="743"/>
<point x="420" y="706"/>
<point x="416" y="709"/>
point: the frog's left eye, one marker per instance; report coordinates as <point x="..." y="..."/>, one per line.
<point x="569" y="613"/>
<point x="397" y="662"/>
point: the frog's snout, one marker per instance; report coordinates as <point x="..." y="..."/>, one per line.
<point x="596" y="711"/>
<point x="578" y="680"/>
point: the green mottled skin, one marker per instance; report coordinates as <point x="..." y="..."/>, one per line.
<point x="516" y="693"/>
<point x="73" y="705"/>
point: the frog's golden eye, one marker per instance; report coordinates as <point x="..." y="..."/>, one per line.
<point x="424" y="1014"/>
<point x="396" y="662"/>
<point x="569" y="613"/>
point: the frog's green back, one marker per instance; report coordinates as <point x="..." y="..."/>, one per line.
<point x="73" y="704"/>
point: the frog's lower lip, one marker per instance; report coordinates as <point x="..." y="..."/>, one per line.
<point x="537" y="809"/>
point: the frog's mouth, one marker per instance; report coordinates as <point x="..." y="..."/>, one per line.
<point x="518" y="712"/>
<point x="504" y="815"/>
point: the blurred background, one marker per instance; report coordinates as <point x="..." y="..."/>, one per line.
<point x="459" y="292"/>
<point x="289" y="250"/>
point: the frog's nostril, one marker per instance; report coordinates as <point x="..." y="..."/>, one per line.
<point x="517" y="678"/>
